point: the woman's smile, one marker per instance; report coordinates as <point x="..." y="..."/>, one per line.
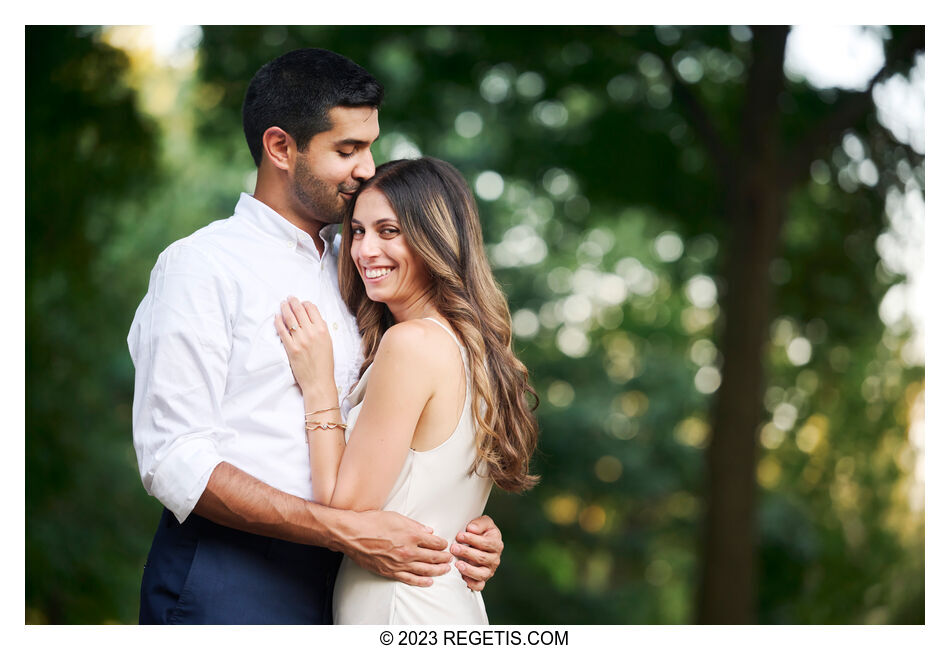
<point x="377" y="273"/>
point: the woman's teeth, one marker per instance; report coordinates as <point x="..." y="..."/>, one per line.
<point x="372" y="274"/>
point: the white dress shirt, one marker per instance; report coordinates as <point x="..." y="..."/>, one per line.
<point x="212" y="379"/>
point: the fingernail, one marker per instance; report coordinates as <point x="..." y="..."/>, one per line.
<point x="455" y="549"/>
<point x="460" y="565"/>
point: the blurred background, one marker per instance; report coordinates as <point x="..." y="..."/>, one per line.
<point x="711" y="240"/>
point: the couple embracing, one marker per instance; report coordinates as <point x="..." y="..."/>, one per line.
<point x="304" y="397"/>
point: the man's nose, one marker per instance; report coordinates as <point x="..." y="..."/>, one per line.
<point x="366" y="167"/>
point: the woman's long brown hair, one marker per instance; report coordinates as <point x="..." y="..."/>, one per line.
<point x="439" y="218"/>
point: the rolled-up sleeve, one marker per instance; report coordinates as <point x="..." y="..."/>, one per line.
<point x="180" y="342"/>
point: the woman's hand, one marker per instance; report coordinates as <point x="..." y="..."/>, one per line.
<point x="309" y="347"/>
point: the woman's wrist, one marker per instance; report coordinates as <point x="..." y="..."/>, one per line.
<point x="321" y="399"/>
<point x="322" y="410"/>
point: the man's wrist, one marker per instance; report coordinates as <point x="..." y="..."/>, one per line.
<point x="340" y="528"/>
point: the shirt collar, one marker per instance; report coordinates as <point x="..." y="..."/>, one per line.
<point x="272" y="223"/>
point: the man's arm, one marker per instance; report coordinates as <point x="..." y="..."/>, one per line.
<point x="385" y="543"/>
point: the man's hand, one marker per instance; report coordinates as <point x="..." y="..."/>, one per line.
<point x="478" y="551"/>
<point x="396" y="547"/>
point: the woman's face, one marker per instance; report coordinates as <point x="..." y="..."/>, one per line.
<point x="392" y="272"/>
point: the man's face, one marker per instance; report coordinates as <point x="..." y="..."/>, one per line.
<point x="335" y="163"/>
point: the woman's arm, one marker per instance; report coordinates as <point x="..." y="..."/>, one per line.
<point x="359" y="475"/>
<point x="402" y="383"/>
<point x="400" y="386"/>
<point x="309" y="347"/>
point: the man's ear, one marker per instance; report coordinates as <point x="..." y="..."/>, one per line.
<point x="278" y="147"/>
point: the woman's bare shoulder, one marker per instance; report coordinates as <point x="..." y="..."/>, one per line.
<point x="419" y="340"/>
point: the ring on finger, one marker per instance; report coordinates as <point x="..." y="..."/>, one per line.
<point x="293" y="328"/>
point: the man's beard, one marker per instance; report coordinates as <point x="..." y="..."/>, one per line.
<point x="321" y="199"/>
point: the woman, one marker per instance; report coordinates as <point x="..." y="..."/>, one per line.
<point x="440" y="410"/>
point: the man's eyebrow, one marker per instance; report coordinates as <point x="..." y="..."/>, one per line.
<point x="353" y="142"/>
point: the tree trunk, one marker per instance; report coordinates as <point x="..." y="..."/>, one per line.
<point x="727" y="593"/>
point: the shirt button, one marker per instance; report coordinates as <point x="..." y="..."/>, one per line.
<point x="290" y="243"/>
<point x="335" y="326"/>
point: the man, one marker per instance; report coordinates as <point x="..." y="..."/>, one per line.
<point x="218" y="419"/>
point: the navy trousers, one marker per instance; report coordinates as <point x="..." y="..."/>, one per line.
<point x="201" y="572"/>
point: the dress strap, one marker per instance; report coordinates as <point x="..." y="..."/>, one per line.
<point x="450" y="333"/>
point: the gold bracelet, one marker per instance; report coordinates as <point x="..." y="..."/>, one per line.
<point x="320" y="411"/>
<point x="313" y="426"/>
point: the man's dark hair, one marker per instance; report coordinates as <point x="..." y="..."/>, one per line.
<point x="296" y="91"/>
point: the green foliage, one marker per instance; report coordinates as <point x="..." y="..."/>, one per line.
<point x="89" y="148"/>
<point x="611" y="211"/>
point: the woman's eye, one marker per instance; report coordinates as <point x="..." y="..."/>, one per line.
<point x="390" y="232"/>
<point x="356" y="231"/>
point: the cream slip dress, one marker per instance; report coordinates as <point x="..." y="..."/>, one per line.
<point x="435" y="488"/>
